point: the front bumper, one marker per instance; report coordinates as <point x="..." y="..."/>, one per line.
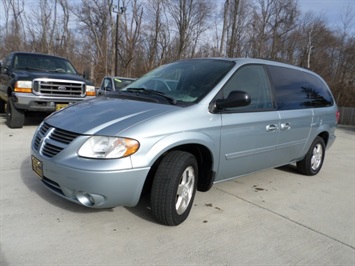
<point x="93" y="188"/>
<point x="31" y="102"/>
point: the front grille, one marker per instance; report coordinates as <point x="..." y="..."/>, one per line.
<point x="50" y="141"/>
<point x="59" y="88"/>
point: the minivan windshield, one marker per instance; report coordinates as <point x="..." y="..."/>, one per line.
<point x="186" y="81"/>
<point x="38" y="62"/>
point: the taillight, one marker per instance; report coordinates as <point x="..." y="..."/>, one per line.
<point x="337" y="116"/>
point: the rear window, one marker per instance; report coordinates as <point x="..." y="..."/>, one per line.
<point x="295" y="89"/>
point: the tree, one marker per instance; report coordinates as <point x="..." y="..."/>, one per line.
<point x="94" y="19"/>
<point x="190" y="18"/>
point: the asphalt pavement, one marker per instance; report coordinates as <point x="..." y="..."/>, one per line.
<point x="274" y="217"/>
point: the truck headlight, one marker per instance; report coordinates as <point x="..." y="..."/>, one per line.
<point x="102" y="147"/>
<point x="90" y="90"/>
<point x="23" y="86"/>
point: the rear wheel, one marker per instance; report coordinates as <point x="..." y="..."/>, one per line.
<point x="312" y="163"/>
<point x="174" y="188"/>
<point x="15" y="118"/>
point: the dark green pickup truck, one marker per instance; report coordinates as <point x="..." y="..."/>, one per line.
<point x="38" y="82"/>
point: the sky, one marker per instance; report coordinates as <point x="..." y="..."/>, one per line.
<point x="331" y="10"/>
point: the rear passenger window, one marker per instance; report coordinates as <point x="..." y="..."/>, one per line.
<point x="253" y="80"/>
<point x="295" y="89"/>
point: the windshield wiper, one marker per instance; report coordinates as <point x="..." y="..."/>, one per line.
<point x="152" y="92"/>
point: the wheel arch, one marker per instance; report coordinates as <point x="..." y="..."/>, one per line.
<point x="325" y="136"/>
<point x="204" y="157"/>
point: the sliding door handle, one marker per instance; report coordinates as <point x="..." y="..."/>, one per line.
<point x="271" y="128"/>
<point x="285" y="126"/>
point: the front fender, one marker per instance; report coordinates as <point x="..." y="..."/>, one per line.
<point x="210" y="141"/>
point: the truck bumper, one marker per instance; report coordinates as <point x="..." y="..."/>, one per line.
<point x="31" y="102"/>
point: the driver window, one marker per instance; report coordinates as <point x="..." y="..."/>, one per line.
<point x="253" y="80"/>
<point x="107" y="85"/>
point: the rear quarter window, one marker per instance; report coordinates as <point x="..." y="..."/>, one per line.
<point x="295" y="89"/>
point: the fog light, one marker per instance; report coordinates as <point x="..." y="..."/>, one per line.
<point x="85" y="199"/>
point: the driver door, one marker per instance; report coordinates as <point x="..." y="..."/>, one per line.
<point x="249" y="134"/>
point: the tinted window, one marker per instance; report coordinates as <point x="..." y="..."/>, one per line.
<point x="295" y="89"/>
<point x="253" y="80"/>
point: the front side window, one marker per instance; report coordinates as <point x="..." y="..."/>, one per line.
<point x="253" y="80"/>
<point x="106" y="84"/>
<point x="296" y="89"/>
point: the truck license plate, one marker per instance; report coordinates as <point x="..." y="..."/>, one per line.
<point x="59" y="106"/>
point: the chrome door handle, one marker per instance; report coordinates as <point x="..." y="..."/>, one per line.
<point x="271" y="128"/>
<point x="285" y="126"/>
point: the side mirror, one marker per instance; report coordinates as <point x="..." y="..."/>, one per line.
<point x="234" y="99"/>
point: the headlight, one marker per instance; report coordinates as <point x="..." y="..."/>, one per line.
<point x="23" y="86"/>
<point x="108" y="147"/>
<point x="90" y="90"/>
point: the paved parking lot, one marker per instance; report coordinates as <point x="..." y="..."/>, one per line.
<point x="273" y="217"/>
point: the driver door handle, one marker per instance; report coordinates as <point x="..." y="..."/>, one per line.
<point x="271" y="128"/>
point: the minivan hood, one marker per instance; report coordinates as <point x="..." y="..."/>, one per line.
<point x="105" y="115"/>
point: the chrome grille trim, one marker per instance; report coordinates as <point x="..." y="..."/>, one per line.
<point x="50" y="141"/>
<point x="59" y="88"/>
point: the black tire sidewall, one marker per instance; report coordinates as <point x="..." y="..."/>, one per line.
<point x="165" y="185"/>
<point x="305" y="166"/>
<point x="14" y="118"/>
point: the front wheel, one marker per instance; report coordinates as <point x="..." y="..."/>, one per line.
<point x="312" y="163"/>
<point x="174" y="188"/>
<point x="15" y="118"/>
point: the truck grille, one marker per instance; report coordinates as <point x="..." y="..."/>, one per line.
<point x="57" y="87"/>
<point x="49" y="141"/>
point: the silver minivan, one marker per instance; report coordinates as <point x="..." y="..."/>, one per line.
<point x="183" y="127"/>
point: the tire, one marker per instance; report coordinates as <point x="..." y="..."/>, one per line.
<point x="313" y="161"/>
<point x="2" y="106"/>
<point x="174" y="188"/>
<point x="15" y="118"/>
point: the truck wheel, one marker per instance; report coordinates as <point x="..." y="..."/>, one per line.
<point x="2" y="106"/>
<point x="174" y="188"/>
<point x="15" y="118"/>
<point x="312" y="163"/>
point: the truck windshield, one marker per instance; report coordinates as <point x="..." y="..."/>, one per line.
<point x="43" y="63"/>
<point x="186" y="81"/>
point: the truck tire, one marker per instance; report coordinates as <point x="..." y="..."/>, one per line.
<point x="313" y="161"/>
<point x="174" y="188"/>
<point x="15" y="118"/>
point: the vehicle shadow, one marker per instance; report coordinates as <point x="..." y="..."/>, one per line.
<point x="32" y="119"/>
<point x="289" y="168"/>
<point x="142" y="209"/>
<point x="35" y="118"/>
